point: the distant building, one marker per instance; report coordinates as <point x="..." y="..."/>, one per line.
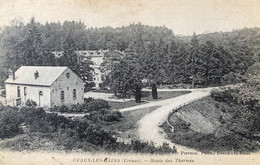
<point x="96" y="56"/>
<point x="46" y="85"/>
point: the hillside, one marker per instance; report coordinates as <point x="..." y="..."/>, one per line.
<point x="201" y="116"/>
<point x="210" y="126"/>
<point x="249" y="37"/>
<point x="207" y="59"/>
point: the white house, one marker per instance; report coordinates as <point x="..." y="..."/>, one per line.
<point x="46" y="85"/>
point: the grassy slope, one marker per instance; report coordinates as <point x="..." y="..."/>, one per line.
<point x="125" y="130"/>
<point x="205" y="132"/>
<point x="203" y="115"/>
<point x="147" y="97"/>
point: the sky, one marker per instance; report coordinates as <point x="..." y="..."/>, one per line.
<point x="184" y="17"/>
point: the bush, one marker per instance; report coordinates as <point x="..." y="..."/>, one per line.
<point x="95" y="104"/>
<point x="3" y="93"/>
<point x="89" y="105"/>
<point x="30" y="103"/>
<point x="88" y="86"/>
<point x="58" y="132"/>
<point x="154" y="91"/>
<point x="138" y="94"/>
<point x="37" y="120"/>
<point x="61" y="108"/>
<point x="10" y="121"/>
<point x="223" y="95"/>
<point x="105" y="115"/>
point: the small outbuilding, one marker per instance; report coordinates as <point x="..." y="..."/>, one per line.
<point x="48" y="86"/>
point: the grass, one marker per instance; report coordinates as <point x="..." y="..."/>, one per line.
<point x="191" y="129"/>
<point x="126" y="129"/>
<point x="146" y="98"/>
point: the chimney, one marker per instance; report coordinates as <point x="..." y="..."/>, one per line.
<point x="12" y="74"/>
<point x="36" y="74"/>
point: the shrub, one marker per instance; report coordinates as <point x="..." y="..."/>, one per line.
<point x="222" y="95"/>
<point x="61" y="108"/>
<point x="30" y="103"/>
<point x="149" y="147"/>
<point x="138" y="94"/>
<point x="37" y="120"/>
<point x="56" y="131"/>
<point x="87" y="100"/>
<point x="95" y="104"/>
<point x="105" y="115"/>
<point x="154" y="91"/>
<point x="10" y="121"/>
<point x="89" y="105"/>
<point x="3" y="93"/>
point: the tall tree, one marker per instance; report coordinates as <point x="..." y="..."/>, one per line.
<point x="127" y="75"/>
<point x="81" y="66"/>
<point x="194" y="57"/>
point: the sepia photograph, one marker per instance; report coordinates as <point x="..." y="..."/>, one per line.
<point x="129" y="82"/>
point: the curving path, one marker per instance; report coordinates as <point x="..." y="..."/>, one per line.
<point x="149" y="129"/>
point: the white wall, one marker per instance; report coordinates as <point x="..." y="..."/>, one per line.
<point x="51" y="95"/>
<point x="97" y="60"/>
<point x="67" y="85"/>
<point x="32" y="93"/>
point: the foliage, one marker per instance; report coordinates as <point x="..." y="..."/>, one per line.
<point x="209" y="143"/>
<point x="138" y="94"/>
<point x="223" y="95"/>
<point x="126" y="75"/>
<point x="96" y="105"/>
<point x="89" y="105"/>
<point x="10" y="122"/>
<point x="207" y="59"/>
<point x="104" y="115"/>
<point x="64" y="133"/>
<point x="154" y="91"/>
<point x="30" y="102"/>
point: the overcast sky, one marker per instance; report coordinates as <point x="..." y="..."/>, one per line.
<point x="182" y="16"/>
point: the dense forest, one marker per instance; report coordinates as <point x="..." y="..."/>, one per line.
<point x="138" y="54"/>
<point x="153" y="53"/>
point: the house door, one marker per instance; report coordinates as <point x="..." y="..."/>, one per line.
<point x="18" y="101"/>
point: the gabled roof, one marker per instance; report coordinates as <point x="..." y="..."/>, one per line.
<point x="47" y="75"/>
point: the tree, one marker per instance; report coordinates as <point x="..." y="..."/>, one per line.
<point x="110" y="60"/>
<point x="126" y="75"/>
<point x="193" y="59"/>
<point x="154" y="91"/>
<point x="32" y="50"/>
<point x="81" y="66"/>
<point x="138" y="94"/>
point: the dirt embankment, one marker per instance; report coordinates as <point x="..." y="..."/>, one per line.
<point x="204" y="118"/>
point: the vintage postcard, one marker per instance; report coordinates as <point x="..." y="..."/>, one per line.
<point x="129" y="82"/>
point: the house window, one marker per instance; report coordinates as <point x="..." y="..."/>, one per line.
<point x="18" y="92"/>
<point x="62" y="97"/>
<point x="74" y="94"/>
<point x="24" y="91"/>
<point x="68" y="75"/>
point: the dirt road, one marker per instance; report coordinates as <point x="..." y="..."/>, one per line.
<point x="149" y="129"/>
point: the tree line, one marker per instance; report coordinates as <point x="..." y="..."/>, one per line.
<point x="150" y="53"/>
